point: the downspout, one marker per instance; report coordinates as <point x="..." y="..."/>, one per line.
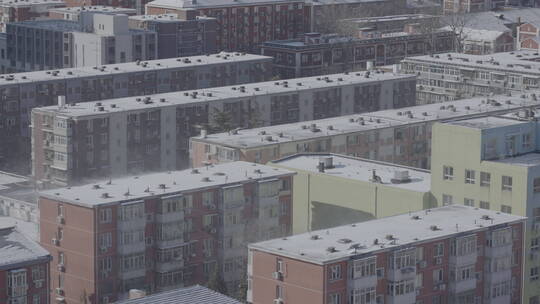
<point x="96" y="264"/>
<point x="376" y="201"/>
<point x="308" y="202"/>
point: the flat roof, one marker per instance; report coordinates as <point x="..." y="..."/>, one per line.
<point x="31" y="2"/>
<point x="135" y="188"/>
<point x="510" y="62"/>
<point x="249" y="90"/>
<point x="405" y="229"/>
<point x="196" y="294"/>
<point x="487" y="122"/>
<point x="7" y="178"/>
<point x="16" y="249"/>
<point x="179" y="4"/>
<point x="525" y="160"/>
<point x="129" y="67"/>
<point x="404" y="17"/>
<point x="94" y="8"/>
<point x="300" y="131"/>
<point x="161" y="17"/>
<point x="359" y="169"/>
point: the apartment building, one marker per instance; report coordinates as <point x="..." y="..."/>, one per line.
<point x="24" y="268"/>
<point x="24" y="91"/>
<point x="318" y="54"/>
<point x="497" y="169"/>
<point x="473" y="6"/>
<point x="177" y="37"/>
<point x="16" y="11"/>
<point x="453" y="254"/>
<point x="161" y="231"/>
<point x="71" y="143"/>
<point x="74" y="12"/>
<point x="389" y="23"/>
<point x="330" y="190"/>
<point x="95" y="39"/>
<point x="401" y="136"/>
<point x="193" y="294"/>
<point x="243" y="25"/>
<point x="454" y="76"/>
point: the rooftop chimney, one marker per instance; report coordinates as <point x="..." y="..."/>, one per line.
<point x="61" y="101"/>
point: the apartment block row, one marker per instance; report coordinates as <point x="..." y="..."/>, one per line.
<point x="161" y="231"/>
<point x="453" y="76"/>
<point x="122" y="136"/>
<point x="317" y="54"/>
<point x="24" y="91"/>
<point x="453" y="254"/>
<point x="401" y="136"/>
<point x="24" y="268"/>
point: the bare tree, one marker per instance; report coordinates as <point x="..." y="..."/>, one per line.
<point x="457" y="23"/>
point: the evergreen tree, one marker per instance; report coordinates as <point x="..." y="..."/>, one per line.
<point x="221" y="121"/>
<point x="216" y="282"/>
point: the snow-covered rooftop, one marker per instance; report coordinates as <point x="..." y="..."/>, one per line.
<point x="135" y="188"/>
<point x="405" y="230"/>
<point x="510" y="62"/>
<point x="359" y="169"/>
<point x="21" y="3"/>
<point x="16" y="250"/>
<point x="130" y="67"/>
<point x="94" y="8"/>
<point x="487" y="122"/>
<point x="525" y="160"/>
<point x="451" y="110"/>
<point x="174" y="99"/>
<point x="183" y="4"/>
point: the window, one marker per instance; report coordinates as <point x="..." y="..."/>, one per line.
<point x="105" y="240"/>
<point x="279" y="265"/>
<point x="438" y="275"/>
<point x="485" y="179"/>
<point x="536" y="185"/>
<point x="131" y="212"/>
<point x="335" y="272"/>
<point x="269" y="188"/>
<point x="438" y="250"/>
<point x="38" y="273"/>
<point x="535" y="244"/>
<point x="419" y="280"/>
<point x="534" y="274"/>
<point x="279" y="292"/>
<point x="400" y="287"/>
<point x="334" y="298"/>
<point x="506" y="209"/>
<point x="526" y="141"/>
<point x="448" y="173"/>
<point x="465" y="273"/>
<point x="208" y="198"/>
<point x="420" y="253"/>
<point x="60" y="233"/>
<point x="484" y="205"/>
<point x="507" y="183"/>
<point x="17" y="283"/>
<point x="130" y="262"/>
<point x="172" y="278"/>
<point x="465" y="245"/>
<point x="501" y="237"/>
<point x="447" y="200"/>
<point x="404" y="258"/>
<point x="469" y="176"/>
<point x="500" y="289"/>
<point x="105" y="215"/>
<point x="364" y="267"/>
<point x="468" y="202"/>
<point x="363" y="296"/>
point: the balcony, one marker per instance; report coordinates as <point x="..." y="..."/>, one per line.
<point x="132" y="273"/>
<point x="462" y="260"/>
<point x="404" y="273"/>
<point x="131" y="248"/>
<point x="170" y="243"/>
<point x="135" y="224"/>
<point x="462" y="286"/>
<point x="170" y="217"/>
<point x="169" y="265"/>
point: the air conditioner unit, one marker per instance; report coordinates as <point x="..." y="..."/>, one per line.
<point x="60" y="300"/>
<point x="213" y="230"/>
<point x="277" y="275"/>
<point x="438" y="261"/>
<point x="60" y="220"/>
<point x="61" y="267"/>
<point x="442" y="286"/>
<point x="38" y="283"/>
<point x="278" y="301"/>
<point x="55" y="242"/>
<point x="59" y="291"/>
